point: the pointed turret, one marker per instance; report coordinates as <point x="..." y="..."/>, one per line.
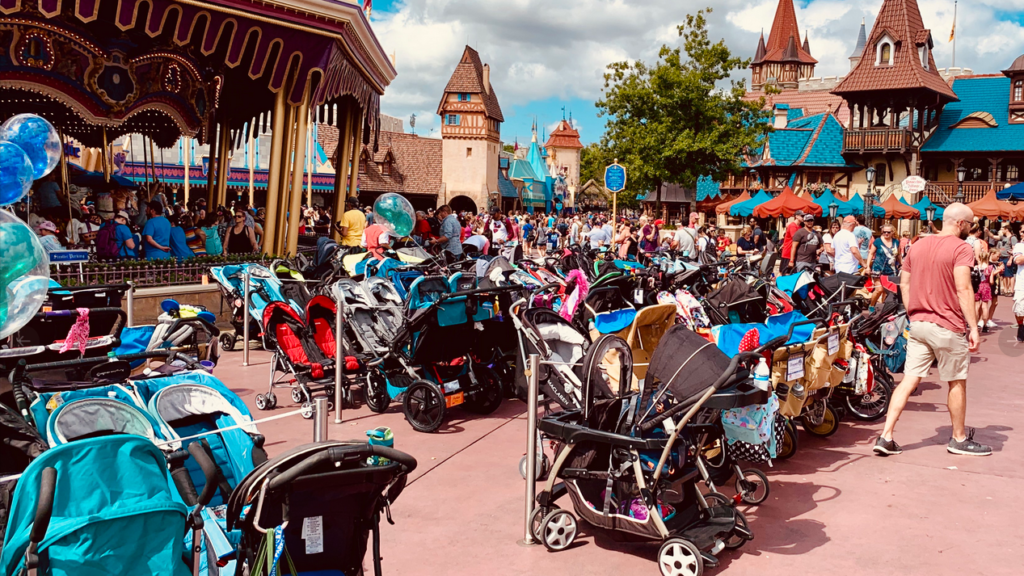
<point x="761" y="50"/>
<point x="807" y="43"/>
<point x="783" y="58"/>
<point x="791" y="54"/>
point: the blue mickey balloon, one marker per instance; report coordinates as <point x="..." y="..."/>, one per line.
<point x="15" y="173"/>
<point x="37" y="138"/>
<point x="24" y="274"/>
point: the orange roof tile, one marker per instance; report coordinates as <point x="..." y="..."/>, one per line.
<point x="784" y="28"/>
<point x="564" y="136"/>
<point x="416" y="168"/>
<point x="469" y="78"/>
<point x="815" y="102"/>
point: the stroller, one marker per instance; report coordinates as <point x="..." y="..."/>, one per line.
<point x="304" y="351"/>
<point x="621" y="458"/>
<point x="311" y="509"/>
<point x="192" y="333"/>
<point x="264" y="288"/>
<point x="20" y="443"/>
<point x="735" y="301"/>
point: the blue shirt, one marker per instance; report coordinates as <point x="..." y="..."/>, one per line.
<point x="553" y="237"/>
<point x="179" y="247"/>
<point x="159" y="229"/>
<point x="863" y="235"/>
<point x="121" y="234"/>
<point x="527" y="228"/>
<point x="451" y="230"/>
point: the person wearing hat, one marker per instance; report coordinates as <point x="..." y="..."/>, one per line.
<point x="796" y="223"/>
<point x="48" y="236"/>
<point x="127" y="247"/>
<point x="807" y="246"/>
<point x="352" y="223"/>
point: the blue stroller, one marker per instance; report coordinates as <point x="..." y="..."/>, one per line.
<point x="264" y="288"/>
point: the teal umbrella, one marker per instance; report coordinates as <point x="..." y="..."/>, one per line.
<point x="826" y="198"/>
<point x="855" y="207"/>
<point x="746" y="209"/>
<point x="922" y="207"/>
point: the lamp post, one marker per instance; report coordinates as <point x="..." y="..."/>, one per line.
<point x="869" y="196"/>
<point x="833" y="211"/>
<point x="753" y="179"/>
<point x="930" y="213"/>
<point x="961" y="175"/>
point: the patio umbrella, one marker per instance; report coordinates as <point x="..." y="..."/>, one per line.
<point x="855" y="207"/>
<point x="990" y="207"/>
<point x="1015" y="192"/>
<point x="723" y="208"/>
<point x="826" y="198"/>
<point x="786" y="204"/>
<point x="746" y="208"/>
<point x="896" y="209"/>
<point x="923" y="204"/>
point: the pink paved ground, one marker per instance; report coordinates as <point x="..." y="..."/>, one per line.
<point x="834" y="508"/>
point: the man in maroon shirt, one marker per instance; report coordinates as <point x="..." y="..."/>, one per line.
<point x="937" y="292"/>
<point x="796" y="223"/>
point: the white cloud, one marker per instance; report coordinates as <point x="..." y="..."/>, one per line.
<point x="540" y="49"/>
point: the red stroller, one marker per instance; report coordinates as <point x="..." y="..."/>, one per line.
<point x="304" y="352"/>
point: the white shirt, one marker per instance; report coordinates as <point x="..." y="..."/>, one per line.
<point x="844" y="242"/>
<point x="1018" y="291"/>
<point x="685" y="241"/>
<point x="384" y="238"/>
<point x="498" y="232"/>
<point x="826" y="238"/>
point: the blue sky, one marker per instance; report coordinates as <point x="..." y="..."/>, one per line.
<point x="546" y="55"/>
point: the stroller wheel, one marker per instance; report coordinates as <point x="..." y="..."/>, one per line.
<point x="541" y="469"/>
<point x="376" y="392"/>
<point x="271" y="400"/>
<point x="227" y="342"/>
<point x="424" y="406"/>
<point x="738" y="539"/>
<point x="558" y="530"/>
<point x="828" y="426"/>
<point x="488" y="395"/>
<point x="789" y="442"/>
<point x="262" y="403"/>
<point x="307" y="410"/>
<point x="537" y="520"/>
<point x="678" y="557"/>
<point x="753" y="486"/>
<point x="298" y="395"/>
<point x="717" y="499"/>
<point x="875" y="404"/>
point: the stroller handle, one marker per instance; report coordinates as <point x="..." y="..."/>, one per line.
<point x="338" y="454"/>
<point x="725" y="377"/>
<point x="44" y="507"/>
<point x="835" y="305"/>
<point x="209" y="327"/>
<point x="210" y="472"/>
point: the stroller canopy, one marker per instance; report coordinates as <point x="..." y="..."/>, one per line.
<point x="113" y="511"/>
<point x="686" y="363"/>
<point x="89" y="417"/>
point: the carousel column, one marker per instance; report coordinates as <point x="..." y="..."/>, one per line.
<point x="223" y="162"/>
<point x="341" y="166"/>
<point x="211" y="181"/>
<point x="274" y="176"/>
<point x="295" y="205"/>
<point x="357" y="147"/>
<point x="286" y="179"/>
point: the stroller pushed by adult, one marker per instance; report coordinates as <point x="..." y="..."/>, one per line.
<point x="625" y="458"/>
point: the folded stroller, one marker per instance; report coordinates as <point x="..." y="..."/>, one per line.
<point x="311" y="509"/>
<point x="622" y="457"/>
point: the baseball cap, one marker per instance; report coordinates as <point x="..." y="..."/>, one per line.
<point x="808" y="217"/>
<point x="799" y="214"/>
<point x="123" y="214"/>
<point x="47" y="225"/>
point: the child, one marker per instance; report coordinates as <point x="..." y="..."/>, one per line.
<point x="983" y="296"/>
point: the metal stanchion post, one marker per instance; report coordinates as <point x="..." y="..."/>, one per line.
<point x="245" y="318"/>
<point x="532" y="376"/>
<point x="339" y="356"/>
<point x="320" y="419"/>
<point x="131" y="304"/>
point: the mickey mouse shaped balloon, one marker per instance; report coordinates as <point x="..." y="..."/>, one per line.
<point x="29" y="149"/>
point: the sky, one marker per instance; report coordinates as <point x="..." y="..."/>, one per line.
<point x="548" y="55"/>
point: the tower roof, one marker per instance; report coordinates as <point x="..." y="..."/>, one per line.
<point x="761" y="50"/>
<point x="791" y="53"/>
<point x="901" y="21"/>
<point x="469" y="78"/>
<point x="785" y="27"/>
<point x="807" y="42"/>
<point x="862" y="39"/>
<point x="564" y="136"/>
<point x="1016" y="68"/>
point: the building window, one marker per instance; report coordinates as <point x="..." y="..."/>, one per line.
<point x="385" y="168"/>
<point x="1018" y="91"/>
<point x="883" y="54"/>
<point x="469" y="152"/>
<point x="464" y="97"/>
<point x="1012" y="173"/>
<point x="452" y="120"/>
<point x="880" y="174"/>
<point x="923" y="52"/>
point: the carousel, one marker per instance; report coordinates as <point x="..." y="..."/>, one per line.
<point x="219" y="71"/>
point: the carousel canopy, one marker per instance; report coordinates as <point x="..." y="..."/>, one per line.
<point x="894" y="208"/>
<point x="991" y="207"/>
<point x="746" y="208"/>
<point x="724" y="207"/>
<point x="98" y="69"/>
<point x="786" y="204"/>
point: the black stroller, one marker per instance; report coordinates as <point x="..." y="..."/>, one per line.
<point x="626" y="464"/>
<point x="735" y="301"/>
<point x="312" y="509"/>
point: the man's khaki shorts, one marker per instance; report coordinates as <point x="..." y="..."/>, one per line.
<point x="1018" y="306"/>
<point x="929" y="342"/>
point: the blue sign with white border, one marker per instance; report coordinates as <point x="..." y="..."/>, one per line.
<point x="615" y="178"/>
<point x="68" y="256"/>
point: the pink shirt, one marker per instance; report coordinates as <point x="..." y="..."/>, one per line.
<point x="932" y="286"/>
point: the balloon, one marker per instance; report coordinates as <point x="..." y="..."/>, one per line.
<point x="37" y="138"/>
<point x="15" y="173"/>
<point x="394" y="213"/>
<point x="24" y="274"/>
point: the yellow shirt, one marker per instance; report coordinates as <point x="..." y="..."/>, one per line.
<point x="354" y="221"/>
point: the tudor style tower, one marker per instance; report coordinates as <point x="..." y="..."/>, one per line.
<point x="895" y="95"/>
<point x="564" y="149"/>
<point x="470" y="130"/>
<point x="783" y="60"/>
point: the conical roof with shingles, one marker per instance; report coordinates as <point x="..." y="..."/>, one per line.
<point x="761" y="51"/>
<point x="469" y="78"/>
<point x="901" y="21"/>
<point x="807" y="42"/>
<point x="862" y="39"/>
<point x="564" y="136"/>
<point x="785" y="27"/>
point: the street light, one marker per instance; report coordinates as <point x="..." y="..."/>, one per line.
<point x="961" y="175"/>
<point x="868" y="196"/>
<point x="930" y="213"/>
<point x="753" y="179"/>
<point x="833" y="210"/>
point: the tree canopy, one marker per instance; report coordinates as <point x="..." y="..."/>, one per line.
<point x="669" y="122"/>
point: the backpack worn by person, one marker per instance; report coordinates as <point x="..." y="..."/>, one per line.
<point x="106" y="241"/>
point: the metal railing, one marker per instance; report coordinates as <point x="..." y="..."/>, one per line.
<point x="146" y="273"/>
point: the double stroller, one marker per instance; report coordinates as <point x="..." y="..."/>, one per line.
<point x="264" y="288"/>
<point x="626" y="461"/>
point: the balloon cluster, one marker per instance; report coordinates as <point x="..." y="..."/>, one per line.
<point x="394" y="213"/>
<point x="29" y="150"/>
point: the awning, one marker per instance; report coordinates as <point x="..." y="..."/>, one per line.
<point x="896" y="209"/>
<point x="786" y="204"/>
<point x="238" y="177"/>
<point x="1015" y="192"/>
<point x="990" y="207"/>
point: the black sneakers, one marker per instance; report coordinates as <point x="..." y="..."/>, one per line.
<point x="1020" y="333"/>
<point x="885" y="447"/>
<point x="968" y="447"/>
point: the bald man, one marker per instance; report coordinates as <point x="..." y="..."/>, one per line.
<point x="937" y="292"/>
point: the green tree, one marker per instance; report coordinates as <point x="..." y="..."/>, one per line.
<point x="594" y="158"/>
<point x="670" y="123"/>
<point x="508" y="148"/>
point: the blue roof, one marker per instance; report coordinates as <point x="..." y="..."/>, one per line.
<point x="990" y="95"/>
<point x="707" y="188"/>
<point x="506" y="187"/>
<point x="521" y="170"/>
<point x="815" y="140"/>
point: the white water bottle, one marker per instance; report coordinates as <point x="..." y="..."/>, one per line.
<point x="762" y="375"/>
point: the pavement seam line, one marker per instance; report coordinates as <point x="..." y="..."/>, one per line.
<point x="461" y="450"/>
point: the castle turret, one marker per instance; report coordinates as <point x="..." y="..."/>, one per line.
<point x="782" y="60"/>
